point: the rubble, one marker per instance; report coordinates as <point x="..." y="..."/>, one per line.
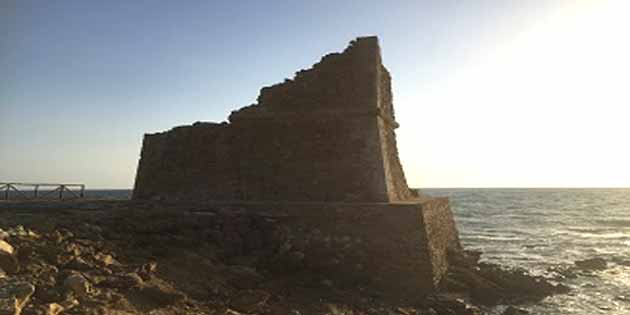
<point x="14" y="295"/>
<point x="8" y="259"/>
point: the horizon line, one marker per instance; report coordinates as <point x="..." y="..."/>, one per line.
<point x="452" y="187"/>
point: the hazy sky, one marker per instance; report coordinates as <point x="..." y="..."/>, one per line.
<point x="488" y="93"/>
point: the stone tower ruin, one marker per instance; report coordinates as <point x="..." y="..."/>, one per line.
<point x="326" y="135"/>
<point x="316" y="155"/>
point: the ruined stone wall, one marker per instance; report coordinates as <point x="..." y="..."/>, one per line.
<point x="397" y="250"/>
<point x="187" y="162"/>
<point x="329" y="159"/>
<point x="394" y="175"/>
<point x="326" y="135"/>
<point x="308" y="179"/>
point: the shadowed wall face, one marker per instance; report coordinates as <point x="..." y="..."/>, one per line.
<point x="326" y="135"/>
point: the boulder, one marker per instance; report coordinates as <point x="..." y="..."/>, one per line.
<point x="8" y="260"/>
<point x="54" y="309"/>
<point x="58" y="308"/>
<point x="518" y="285"/>
<point x="14" y="295"/>
<point x="77" y="284"/>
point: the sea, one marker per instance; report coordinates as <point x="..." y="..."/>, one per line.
<point x="542" y="230"/>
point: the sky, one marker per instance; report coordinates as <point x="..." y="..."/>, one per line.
<point x="487" y="93"/>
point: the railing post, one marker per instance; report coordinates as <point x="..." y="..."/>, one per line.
<point x="36" y="191"/>
<point x="61" y="187"/>
<point x="6" y="192"/>
<point x="82" y="191"/>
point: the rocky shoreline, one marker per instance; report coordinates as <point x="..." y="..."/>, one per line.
<point x="145" y="258"/>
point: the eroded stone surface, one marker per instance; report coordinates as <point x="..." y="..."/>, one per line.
<point x="325" y="135"/>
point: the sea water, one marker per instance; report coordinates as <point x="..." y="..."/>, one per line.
<point x="546" y="229"/>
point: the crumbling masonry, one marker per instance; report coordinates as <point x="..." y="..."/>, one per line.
<point x="325" y="137"/>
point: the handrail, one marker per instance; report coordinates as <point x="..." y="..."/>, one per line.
<point x="59" y="190"/>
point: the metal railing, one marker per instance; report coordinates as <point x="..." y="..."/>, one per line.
<point x="55" y="191"/>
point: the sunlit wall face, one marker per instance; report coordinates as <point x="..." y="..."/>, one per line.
<point x="547" y="105"/>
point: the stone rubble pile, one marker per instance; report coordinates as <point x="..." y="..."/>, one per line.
<point x="58" y="273"/>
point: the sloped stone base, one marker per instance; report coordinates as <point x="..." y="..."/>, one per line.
<point x="397" y="248"/>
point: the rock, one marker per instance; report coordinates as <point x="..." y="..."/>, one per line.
<point x="58" y="308"/>
<point x="481" y="288"/>
<point x="78" y="284"/>
<point x="449" y="305"/>
<point x="14" y="295"/>
<point x="20" y="231"/>
<point x="132" y="280"/>
<point x="564" y="272"/>
<point x="48" y="294"/>
<point x="6" y="248"/>
<point x="592" y="264"/>
<point x="54" y="309"/>
<point x="511" y="310"/>
<point x="59" y="236"/>
<point x="73" y="249"/>
<point x="8" y="259"/>
<point x="78" y="263"/>
<point x="31" y="309"/>
<point x="158" y="294"/>
<point x="336" y="309"/>
<point x="124" y="281"/>
<point x="147" y="270"/>
<point x="105" y="259"/>
<point x="249" y="301"/>
<point x="517" y="285"/>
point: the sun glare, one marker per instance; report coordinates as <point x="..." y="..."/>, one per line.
<point x="547" y="106"/>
